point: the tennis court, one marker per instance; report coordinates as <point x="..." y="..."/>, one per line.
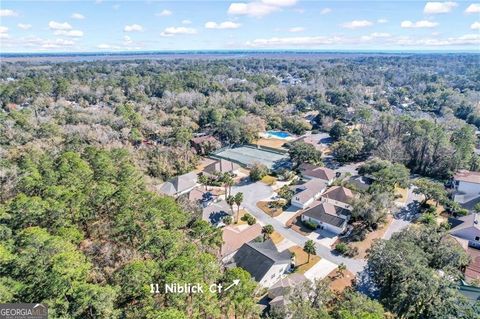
<point x="248" y="155"/>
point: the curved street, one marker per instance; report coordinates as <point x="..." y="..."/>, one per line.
<point x="254" y="192"/>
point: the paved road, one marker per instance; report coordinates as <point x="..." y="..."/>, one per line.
<point x="254" y="192"/>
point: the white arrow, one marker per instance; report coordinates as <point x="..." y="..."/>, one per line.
<point x="235" y="283"/>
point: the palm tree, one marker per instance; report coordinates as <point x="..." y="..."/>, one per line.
<point x="309" y="248"/>
<point x="230" y="201"/>
<point x="229" y="182"/>
<point x="238" y="200"/>
<point x="267" y="230"/>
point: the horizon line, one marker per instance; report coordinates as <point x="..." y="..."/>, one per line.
<point x="239" y="51"/>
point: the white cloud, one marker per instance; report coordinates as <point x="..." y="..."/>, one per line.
<point x="3" y="30"/>
<point x="171" y="31"/>
<point x="53" y="25"/>
<point x="473" y="8"/>
<point x="280" y="3"/>
<point x="164" y="13"/>
<point x="127" y="40"/>
<point x="296" y="29"/>
<point x="439" y="7"/>
<point x="291" y="41"/>
<point x="186" y="22"/>
<point x="467" y="39"/>
<point x="380" y="35"/>
<point x="382" y="20"/>
<point x="475" y="25"/>
<point x="55" y="44"/>
<point x="133" y="28"/>
<point x="69" y="33"/>
<point x="24" y="26"/>
<point x="222" y="25"/>
<point x="383" y="39"/>
<point x="8" y="13"/>
<point x="105" y="46"/>
<point x="259" y="8"/>
<point x="355" y="24"/>
<point x="419" y="24"/>
<point x="254" y="9"/>
<point x="325" y="11"/>
<point x="78" y="16"/>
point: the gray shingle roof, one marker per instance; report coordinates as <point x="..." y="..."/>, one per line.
<point x="326" y="213"/>
<point x="258" y="258"/>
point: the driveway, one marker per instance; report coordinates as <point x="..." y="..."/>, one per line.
<point x="404" y="216"/>
<point x="254" y="192"/>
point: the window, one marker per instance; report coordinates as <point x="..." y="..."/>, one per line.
<point x="477" y="238"/>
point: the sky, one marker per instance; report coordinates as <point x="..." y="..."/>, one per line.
<point x="149" y="25"/>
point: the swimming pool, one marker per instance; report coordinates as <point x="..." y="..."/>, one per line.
<point x="278" y="134"/>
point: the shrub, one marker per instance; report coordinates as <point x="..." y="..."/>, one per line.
<point x="258" y="171"/>
<point x="342" y="248"/>
<point x="227" y="220"/>
<point x="310" y="225"/>
<point x="249" y="219"/>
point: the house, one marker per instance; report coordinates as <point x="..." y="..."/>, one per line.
<point x="327" y="216"/>
<point x="310" y="171"/>
<point x="466" y="230"/>
<point x="235" y="236"/>
<point x="467" y="188"/>
<point x="263" y="261"/>
<point x="277" y="292"/>
<point x="204" y="144"/>
<point x="201" y="196"/>
<point x="307" y="193"/>
<point x="179" y="185"/>
<point x="338" y="196"/>
<point x="215" y="212"/>
<point x="222" y="166"/>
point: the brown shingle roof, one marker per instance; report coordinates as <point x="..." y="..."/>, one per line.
<point x="317" y="171"/>
<point x="467" y="176"/>
<point x="339" y="193"/>
<point x="234" y="237"/>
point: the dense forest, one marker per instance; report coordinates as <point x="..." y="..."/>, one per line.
<point x="83" y="145"/>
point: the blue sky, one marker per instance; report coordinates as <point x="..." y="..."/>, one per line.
<point x="105" y="25"/>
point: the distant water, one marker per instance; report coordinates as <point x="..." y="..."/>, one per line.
<point x="205" y="54"/>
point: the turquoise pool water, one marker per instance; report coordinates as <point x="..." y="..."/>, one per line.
<point x="279" y="134"/>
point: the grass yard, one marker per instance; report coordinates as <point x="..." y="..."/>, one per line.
<point x="364" y="245"/>
<point x="269" y="180"/>
<point x="296" y="224"/>
<point x="272" y="212"/>
<point x="402" y="193"/>
<point x="276" y="237"/>
<point x="240" y="215"/>
<point x="340" y="283"/>
<point x="301" y="258"/>
<point x="440" y="209"/>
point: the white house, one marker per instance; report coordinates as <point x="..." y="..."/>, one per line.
<point x="307" y="193"/>
<point x="467" y="188"/>
<point x="327" y="216"/>
<point x="466" y="230"/>
<point x="263" y="261"/>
